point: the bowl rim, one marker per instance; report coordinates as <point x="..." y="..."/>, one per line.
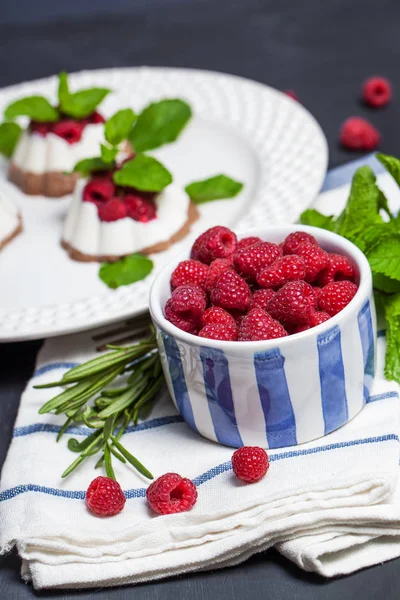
<point x="322" y="235"/>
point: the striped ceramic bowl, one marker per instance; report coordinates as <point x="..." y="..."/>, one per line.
<point x="278" y="392"/>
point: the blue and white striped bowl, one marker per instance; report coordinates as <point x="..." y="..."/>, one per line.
<point x="279" y="392"/>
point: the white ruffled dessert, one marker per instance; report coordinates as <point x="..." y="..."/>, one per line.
<point x="10" y="221"/>
<point x="87" y="238"/>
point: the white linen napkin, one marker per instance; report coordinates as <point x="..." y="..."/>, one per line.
<point x="337" y="492"/>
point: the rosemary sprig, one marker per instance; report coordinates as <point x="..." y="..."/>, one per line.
<point x="87" y="398"/>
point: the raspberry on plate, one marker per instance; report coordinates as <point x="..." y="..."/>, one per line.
<point x="231" y="291"/>
<point x="220" y="332"/>
<point x="140" y="209"/>
<point x="171" y="493"/>
<point x="339" y="268"/>
<point x="259" y="325"/>
<point x="189" y="272"/>
<point x="377" y="92"/>
<point x="98" y="190"/>
<point x="247" y="241"/>
<point x="250" y="463"/>
<point x="293" y="303"/>
<point x="287" y="268"/>
<point x="359" y="134"/>
<point x="260" y="298"/>
<point x="40" y="127"/>
<point x="69" y="130"/>
<point x="104" y="497"/>
<point x="185" y="308"/>
<point x="315" y="259"/>
<point x="112" y="210"/>
<point x="218" y="266"/>
<point x="217" y="242"/>
<point x="251" y="260"/>
<point x="293" y="241"/>
<point x="215" y="315"/>
<point x="335" y="296"/>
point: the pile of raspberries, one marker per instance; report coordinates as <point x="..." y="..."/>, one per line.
<point x="251" y="290"/>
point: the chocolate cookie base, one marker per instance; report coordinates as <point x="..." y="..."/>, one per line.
<point x="53" y="184"/>
<point x="193" y="215"/>
<point x="13" y="234"/>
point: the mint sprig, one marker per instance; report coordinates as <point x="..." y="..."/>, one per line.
<point x="369" y="223"/>
<point x="218" y="187"/>
<point x="35" y="107"/>
<point x="126" y="270"/>
<point x="80" y="104"/>
<point x="9" y="136"/>
<point x="143" y="173"/>
<point x="90" y="165"/>
<point x="118" y="127"/>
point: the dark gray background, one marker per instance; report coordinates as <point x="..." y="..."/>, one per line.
<point x="323" y="49"/>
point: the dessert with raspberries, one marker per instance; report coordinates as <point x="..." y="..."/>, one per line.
<point x="10" y="221"/>
<point x="250" y="289"/>
<point x="106" y="221"/>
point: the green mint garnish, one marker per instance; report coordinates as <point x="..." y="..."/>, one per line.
<point x="214" y="188"/>
<point x="79" y="104"/>
<point x="35" y="107"/>
<point x="108" y="155"/>
<point x="159" y="123"/>
<point x="125" y="271"/>
<point x="143" y="173"/>
<point x="392" y="315"/>
<point x="91" y="165"/>
<point x="118" y="127"/>
<point x="9" y="136"/>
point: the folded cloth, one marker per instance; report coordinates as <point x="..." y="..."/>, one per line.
<point x="318" y="491"/>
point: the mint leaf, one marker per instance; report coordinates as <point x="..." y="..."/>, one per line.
<point x="160" y="123"/>
<point x="80" y="104"/>
<point x="385" y="284"/>
<point x="384" y="256"/>
<point x="391" y="164"/>
<point x="143" y="173"/>
<point x="119" y="125"/>
<point x="9" y="136"/>
<point x="108" y="154"/>
<point x="35" y="107"/>
<point x="392" y="316"/>
<point x="125" y="271"/>
<point x="89" y="165"/>
<point x="316" y="219"/>
<point x="214" y="188"/>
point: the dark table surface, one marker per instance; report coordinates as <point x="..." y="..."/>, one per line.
<point x="321" y="49"/>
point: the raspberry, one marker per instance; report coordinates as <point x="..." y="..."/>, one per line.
<point x="287" y="268"/>
<point x="104" y="497"/>
<point x="189" y="272"/>
<point x="315" y="259"/>
<point x="218" y="266"/>
<point x="339" y="268"/>
<point x="293" y="241"/>
<point x="259" y="325"/>
<point x="247" y="241"/>
<point x="260" y="299"/>
<point x="359" y="134"/>
<point x="377" y="92"/>
<point x="217" y="242"/>
<point x="251" y="260"/>
<point x="318" y="317"/>
<point x="185" y="308"/>
<point x="219" y="332"/>
<point x="250" y="463"/>
<point x="98" y="190"/>
<point x="68" y="130"/>
<point x="292" y="94"/>
<point x="215" y="315"/>
<point x="231" y="291"/>
<point x="293" y="303"/>
<point x="40" y="127"/>
<point x="171" y="493"/>
<point x="335" y="296"/>
<point x="96" y="117"/>
<point x="112" y="210"/>
<point x="140" y="209"/>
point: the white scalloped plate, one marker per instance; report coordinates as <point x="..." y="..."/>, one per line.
<point x="242" y="128"/>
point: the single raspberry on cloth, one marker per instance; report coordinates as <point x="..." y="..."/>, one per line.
<point x="335" y="296"/>
<point x="185" y="308"/>
<point x="219" y="332"/>
<point x="189" y="272"/>
<point x="258" y="325"/>
<point x="231" y="292"/>
<point x="104" y="497"/>
<point x="112" y="210"/>
<point x="359" y="134"/>
<point x="98" y="189"/>
<point x="315" y="260"/>
<point x="250" y="463"/>
<point x="69" y="130"/>
<point x="293" y="241"/>
<point x="218" y="266"/>
<point x="171" y="493"/>
<point x="217" y="242"/>
<point x="251" y="260"/>
<point x="377" y="92"/>
<point x="293" y="303"/>
<point x="260" y="298"/>
<point x="287" y="268"/>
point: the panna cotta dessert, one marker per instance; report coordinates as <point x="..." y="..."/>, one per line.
<point x="106" y="221"/>
<point x="46" y="154"/>
<point x="10" y="221"/>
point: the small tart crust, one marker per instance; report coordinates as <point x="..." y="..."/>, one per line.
<point x="193" y="215"/>
<point x="13" y="234"/>
<point x="52" y="184"/>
